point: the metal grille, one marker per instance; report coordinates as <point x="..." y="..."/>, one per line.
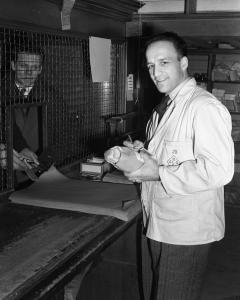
<point x="70" y="110"/>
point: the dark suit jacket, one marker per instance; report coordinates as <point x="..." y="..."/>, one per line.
<point x="19" y="142"/>
<point x="42" y="94"/>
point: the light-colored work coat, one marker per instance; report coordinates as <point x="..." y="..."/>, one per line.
<point x="195" y="153"/>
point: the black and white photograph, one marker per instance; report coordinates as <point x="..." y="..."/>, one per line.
<point x="120" y="150"/>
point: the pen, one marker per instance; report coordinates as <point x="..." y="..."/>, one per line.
<point x="28" y="168"/>
<point x="129" y="138"/>
<point x="144" y="150"/>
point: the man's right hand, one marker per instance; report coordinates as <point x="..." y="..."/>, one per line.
<point x="31" y="158"/>
<point x="18" y="163"/>
<point x="136" y="145"/>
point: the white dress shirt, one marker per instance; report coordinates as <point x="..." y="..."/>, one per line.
<point x="27" y="89"/>
<point x="195" y="153"/>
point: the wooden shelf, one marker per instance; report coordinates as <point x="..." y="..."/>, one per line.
<point x="214" y="51"/>
<point x="225" y="81"/>
<point x="229" y="86"/>
<point x="201" y="81"/>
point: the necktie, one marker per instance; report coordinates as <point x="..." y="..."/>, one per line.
<point x="160" y="109"/>
<point x="22" y="92"/>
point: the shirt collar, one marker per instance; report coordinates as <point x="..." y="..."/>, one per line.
<point x="27" y="89"/>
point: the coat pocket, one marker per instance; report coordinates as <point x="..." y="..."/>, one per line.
<point x="176" y="152"/>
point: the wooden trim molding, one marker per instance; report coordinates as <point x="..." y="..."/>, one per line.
<point x="189" y="16"/>
<point x="121" y="10"/>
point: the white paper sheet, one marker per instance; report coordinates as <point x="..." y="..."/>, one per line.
<point x="54" y="190"/>
<point x="100" y="54"/>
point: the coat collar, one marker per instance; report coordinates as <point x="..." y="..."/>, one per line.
<point x="182" y="90"/>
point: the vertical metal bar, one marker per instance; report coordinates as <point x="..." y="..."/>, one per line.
<point x="9" y="133"/>
<point x="190" y="7"/>
<point x="211" y="63"/>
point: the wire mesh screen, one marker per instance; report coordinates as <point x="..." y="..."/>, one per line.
<point x="48" y="100"/>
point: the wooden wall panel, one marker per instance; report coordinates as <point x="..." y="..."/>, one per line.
<point x="48" y="14"/>
<point x="194" y="27"/>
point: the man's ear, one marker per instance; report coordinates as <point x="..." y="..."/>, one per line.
<point x="13" y="65"/>
<point x="184" y="63"/>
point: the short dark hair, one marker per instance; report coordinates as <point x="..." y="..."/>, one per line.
<point x="179" y="44"/>
<point x="29" y="49"/>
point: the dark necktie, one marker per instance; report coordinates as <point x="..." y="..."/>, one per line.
<point x="22" y="92"/>
<point x="160" y="109"/>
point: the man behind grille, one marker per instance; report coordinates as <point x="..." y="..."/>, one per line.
<point x="16" y="87"/>
<point x="35" y="104"/>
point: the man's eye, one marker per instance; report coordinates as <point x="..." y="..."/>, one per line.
<point x="163" y="63"/>
<point x="35" y="68"/>
<point x="150" y="67"/>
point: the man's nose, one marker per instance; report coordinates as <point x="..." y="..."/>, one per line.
<point x="29" y="71"/>
<point x="157" y="71"/>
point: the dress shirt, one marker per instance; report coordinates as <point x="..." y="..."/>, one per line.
<point x="24" y="90"/>
<point x="195" y="152"/>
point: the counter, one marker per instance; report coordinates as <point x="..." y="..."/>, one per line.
<point x="42" y="249"/>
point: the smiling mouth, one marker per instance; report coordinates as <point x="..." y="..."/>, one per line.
<point x="28" y="78"/>
<point x="160" y="81"/>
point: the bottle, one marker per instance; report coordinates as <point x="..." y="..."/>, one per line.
<point x="124" y="158"/>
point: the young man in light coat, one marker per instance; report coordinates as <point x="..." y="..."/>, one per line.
<point x="182" y="180"/>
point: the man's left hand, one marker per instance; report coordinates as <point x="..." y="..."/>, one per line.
<point x="147" y="172"/>
<point x="27" y="153"/>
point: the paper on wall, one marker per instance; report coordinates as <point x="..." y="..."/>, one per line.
<point x="100" y="58"/>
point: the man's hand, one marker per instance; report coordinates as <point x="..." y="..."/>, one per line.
<point x="18" y="158"/>
<point x="18" y="164"/>
<point x="136" y="145"/>
<point x="31" y="158"/>
<point x="148" y="171"/>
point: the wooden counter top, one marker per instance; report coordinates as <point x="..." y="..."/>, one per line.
<point x="41" y="249"/>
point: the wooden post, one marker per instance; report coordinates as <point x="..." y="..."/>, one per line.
<point x="190" y="7"/>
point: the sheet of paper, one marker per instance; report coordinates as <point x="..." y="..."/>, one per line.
<point x="54" y="190"/>
<point x="100" y="58"/>
<point x="116" y="177"/>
